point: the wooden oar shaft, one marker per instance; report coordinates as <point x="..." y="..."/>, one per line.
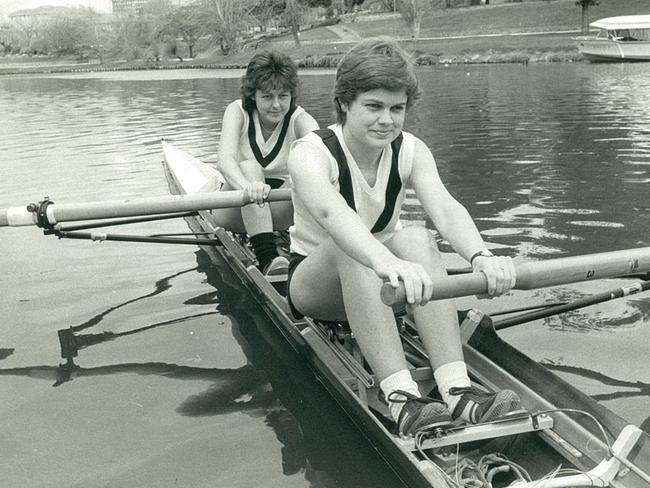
<point x="69" y="212"/>
<point x="538" y="274"/>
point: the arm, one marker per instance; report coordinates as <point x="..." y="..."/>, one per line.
<point x="231" y="126"/>
<point x="309" y="170"/>
<point x="454" y="222"/>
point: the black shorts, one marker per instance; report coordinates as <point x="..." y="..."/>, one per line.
<point x="274" y="182"/>
<point x="294" y="260"/>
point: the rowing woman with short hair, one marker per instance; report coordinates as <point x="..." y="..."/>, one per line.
<point x="256" y="134"/>
<point x="348" y="188"/>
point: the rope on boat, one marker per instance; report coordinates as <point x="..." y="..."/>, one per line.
<point x="468" y="473"/>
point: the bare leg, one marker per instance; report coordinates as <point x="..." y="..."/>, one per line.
<point x="280" y="213"/>
<point x="330" y="285"/>
<point x="256" y="219"/>
<point x="437" y="321"/>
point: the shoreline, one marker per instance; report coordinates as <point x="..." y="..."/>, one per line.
<point x="328" y="60"/>
<point x="505" y="32"/>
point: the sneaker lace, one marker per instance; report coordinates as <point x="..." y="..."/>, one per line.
<point x="461" y="390"/>
<point x="401" y="396"/>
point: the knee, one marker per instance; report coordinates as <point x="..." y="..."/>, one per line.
<point x="342" y="262"/>
<point x="417" y="244"/>
<point x="416" y="237"/>
<point x="251" y="170"/>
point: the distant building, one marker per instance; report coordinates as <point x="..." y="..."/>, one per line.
<point x="128" y="6"/>
<point x="136" y="6"/>
<point x="38" y="14"/>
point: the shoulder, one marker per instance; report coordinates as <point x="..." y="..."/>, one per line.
<point x="308" y="143"/>
<point x="236" y="105"/>
<point x="408" y="139"/>
<point x="298" y="111"/>
<point x="408" y="145"/>
<point x="413" y="154"/>
<point x="235" y="111"/>
<point x="304" y="122"/>
<point x="420" y="149"/>
<point x="309" y="150"/>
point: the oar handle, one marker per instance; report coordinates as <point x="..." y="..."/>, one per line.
<point x="70" y="212"/>
<point x="447" y="287"/>
<point x="537" y="274"/>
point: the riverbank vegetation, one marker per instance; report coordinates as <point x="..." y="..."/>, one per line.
<point x="223" y="33"/>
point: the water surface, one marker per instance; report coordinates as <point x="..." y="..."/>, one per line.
<point x="189" y="386"/>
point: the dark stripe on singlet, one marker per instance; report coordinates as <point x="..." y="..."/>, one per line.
<point x="393" y="187"/>
<point x="264" y="161"/>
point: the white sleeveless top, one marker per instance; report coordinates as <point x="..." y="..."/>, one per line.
<point x="306" y="233"/>
<point x="277" y="168"/>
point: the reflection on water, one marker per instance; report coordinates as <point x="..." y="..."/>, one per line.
<point x="551" y="160"/>
<point x="317" y="442"/>
<point x="537" y="152"/>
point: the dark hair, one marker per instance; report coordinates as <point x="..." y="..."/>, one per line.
<point x="374" y="64"/>
<point x="268" y="70"/>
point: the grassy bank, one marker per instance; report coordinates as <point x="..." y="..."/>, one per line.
<point x="529" y="31"/>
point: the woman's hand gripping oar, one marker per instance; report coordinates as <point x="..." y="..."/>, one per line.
<point x="531" y="275"/>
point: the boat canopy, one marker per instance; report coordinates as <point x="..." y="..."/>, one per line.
<point x="623" y="22"/>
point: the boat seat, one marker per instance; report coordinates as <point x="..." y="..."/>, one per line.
<point x="341" y="328"/>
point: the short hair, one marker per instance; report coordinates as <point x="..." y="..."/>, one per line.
<point x="268" y="70"/>
<point x="374" y="64"/>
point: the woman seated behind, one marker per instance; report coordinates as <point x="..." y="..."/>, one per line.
<point x="349" y="185"/>
<point x="256" y="133"/>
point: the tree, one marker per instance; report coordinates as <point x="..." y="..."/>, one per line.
<point x="265" y="12"/>
<point x="158" y="26"/>
<point x="133" y="36"/>
<point x="70" y="32"/>
<point x="8" y="38"/>
<point x="584" y="5"/>
<point x="386" y="5"/>
<point x="189" y="25"/>
<point x="317" y="3"/>
<point x="103" y="37"/>
<point x="225" y="19"/>
<point x="412" y="12"/>
<point x="28" y="35"/>
<point x="185" y="22"/>
<point x="293" y="15"/>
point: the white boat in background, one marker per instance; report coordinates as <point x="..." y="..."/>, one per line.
<point x="625" y="38"/>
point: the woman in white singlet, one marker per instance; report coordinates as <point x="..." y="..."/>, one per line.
<point x="348" y="188"/>
<point x="256" y="134"/>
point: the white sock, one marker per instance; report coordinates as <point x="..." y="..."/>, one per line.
<point x="451" y="375"/>
<point x="402" y="380"/>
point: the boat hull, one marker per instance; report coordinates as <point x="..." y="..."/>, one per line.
<point x="606" y="50"/>
<point x="571" y="442"/>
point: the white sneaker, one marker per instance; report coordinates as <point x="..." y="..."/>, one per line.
<point x="279" y="266"/>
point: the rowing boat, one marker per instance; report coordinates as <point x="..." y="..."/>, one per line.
<point x="562" y="438"/>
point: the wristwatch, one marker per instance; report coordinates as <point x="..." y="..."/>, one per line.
<point x="484" y="253"/>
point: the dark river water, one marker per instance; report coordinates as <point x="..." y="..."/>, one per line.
<point x="183" y="381"/>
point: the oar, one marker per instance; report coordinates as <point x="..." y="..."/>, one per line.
<point x="538" y="274"/>
<point x="622" y="291"/>
<point x="47" y="213"/>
